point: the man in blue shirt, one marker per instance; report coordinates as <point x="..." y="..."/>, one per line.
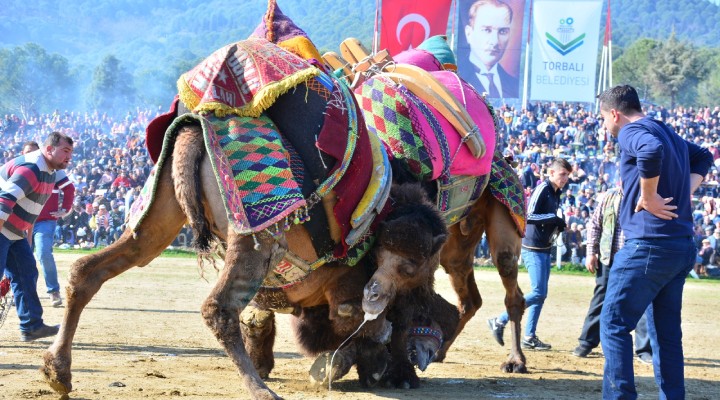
<point x="659" y="172"/>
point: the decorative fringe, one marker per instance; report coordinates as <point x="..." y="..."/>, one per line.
<point x="260" y="102"/>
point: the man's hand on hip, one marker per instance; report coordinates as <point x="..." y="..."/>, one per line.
<point x="657" y="206"/>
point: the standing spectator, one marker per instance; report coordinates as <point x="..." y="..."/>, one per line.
<point x="102" y="225"/>
<point x="704" y="256"/>
<point x="605" y="238"/>
<point x="43" y="232"/>
<point x="530" y="176"/>
<point x="574" y="243"/>
<point x="659" y="172"/>
<point x="117" y="224"/>
<point x="544" y="223"/>
<point x="78" y="223"/>
<point x="26" y="183"/>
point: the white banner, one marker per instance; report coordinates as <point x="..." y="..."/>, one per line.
<point x="565" y="50"/>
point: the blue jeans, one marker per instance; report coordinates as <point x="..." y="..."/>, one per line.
<point x="590" y="335"/>
<point x="538" y="266"/>
<point x="18" y="263"/>
<point x="646" y="272"/>
<point x="43" y="237"/>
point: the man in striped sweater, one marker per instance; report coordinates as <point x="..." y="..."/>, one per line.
<point x="26" y="183"/>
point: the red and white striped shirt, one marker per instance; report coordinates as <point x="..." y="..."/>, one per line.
<point x="26" y="182"/>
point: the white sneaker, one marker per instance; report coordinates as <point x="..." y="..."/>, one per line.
<point x="55" y="299"/>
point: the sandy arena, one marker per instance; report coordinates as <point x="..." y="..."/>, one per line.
<point x="142" y="337"/>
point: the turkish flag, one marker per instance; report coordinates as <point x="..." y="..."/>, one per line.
<point x="407" y="23"/>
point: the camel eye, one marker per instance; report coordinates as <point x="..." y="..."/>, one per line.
<point x="408" y="268"/>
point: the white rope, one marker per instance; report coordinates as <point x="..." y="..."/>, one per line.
<point x="368" y="317"/>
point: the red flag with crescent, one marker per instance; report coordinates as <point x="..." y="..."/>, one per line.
<point x="407" y="23"/>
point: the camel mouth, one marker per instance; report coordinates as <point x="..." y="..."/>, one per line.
<point x="373" y="308"/>
<point x="376" y="297"/>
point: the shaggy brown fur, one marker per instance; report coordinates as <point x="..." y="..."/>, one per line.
<point x="328" y="303"/>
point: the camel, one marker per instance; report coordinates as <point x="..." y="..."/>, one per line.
<point x="181" y="197"/>
<point x="328" y="304"/>
<point x="247" y="262"/>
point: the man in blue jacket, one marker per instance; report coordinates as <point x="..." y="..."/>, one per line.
<point x="544" y="223"/>
<point x="659" y="172"/>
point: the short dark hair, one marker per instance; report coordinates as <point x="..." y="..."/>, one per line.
<point x="54" y="139"/>
<point x="31" y="143"/>
<point x="560" y="162"/>
<point x="623" y="98"/>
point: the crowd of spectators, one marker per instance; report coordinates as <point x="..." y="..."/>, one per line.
<point x="110" y="163"/>
<point x="109" y="167"/>
<point x="532" y="137"/>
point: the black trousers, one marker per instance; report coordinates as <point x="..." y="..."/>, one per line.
<point x="590" y="335"/>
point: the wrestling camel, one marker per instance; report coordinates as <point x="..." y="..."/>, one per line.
<point x="179" y="197"/>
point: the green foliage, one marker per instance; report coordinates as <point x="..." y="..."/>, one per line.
<point x="156" y="41"/>
<point x="112" y="89"/>
<point x="709" y="89"/>
<point x="670" y="71"/>
<point x="675" y="68"/>
<point x="694" y="21"/>
<point x="632" y="66"/>
<point x="33" y="80"/>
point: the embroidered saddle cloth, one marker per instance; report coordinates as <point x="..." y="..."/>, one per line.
<point x="243" y="78"/>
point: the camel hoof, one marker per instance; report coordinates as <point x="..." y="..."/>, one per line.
<point x="255" y="317"/>
<point x="59" y="379"/>
<point x="321" y="371"/>
<point x="512" y="367"/>
<point x="346" y="310"/>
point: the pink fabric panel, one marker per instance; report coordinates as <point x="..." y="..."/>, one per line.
<point x="419" y="58"/>
<point x="465" y="163"/>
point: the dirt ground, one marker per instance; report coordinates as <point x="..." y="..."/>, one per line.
<point x="143" y="337"/>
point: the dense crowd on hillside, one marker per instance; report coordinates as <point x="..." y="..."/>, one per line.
<point x="534" y="136"/>
<point x="110" y="162"/>
<point x="110" y="165"/>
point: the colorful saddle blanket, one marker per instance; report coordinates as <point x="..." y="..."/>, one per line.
<point x="418" y="135"/>
<point x="243" y="78"/>
<point x="505" y="186"/>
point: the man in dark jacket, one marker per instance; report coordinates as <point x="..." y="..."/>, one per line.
<point x="544" y="223"/>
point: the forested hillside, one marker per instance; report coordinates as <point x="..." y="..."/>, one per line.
<point x="139" y="48"/>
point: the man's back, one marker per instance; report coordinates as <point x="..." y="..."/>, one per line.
<point x="650" y="148"/>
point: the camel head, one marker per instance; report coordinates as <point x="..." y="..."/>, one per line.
<point x="407" y="249"/>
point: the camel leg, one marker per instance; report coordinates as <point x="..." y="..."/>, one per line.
<point x="245" y="268"/>
<point x="505" y="243"/>
<point x="157" y="231"/>
<point x="456" y="259"/>
<point x="258" y="332"/>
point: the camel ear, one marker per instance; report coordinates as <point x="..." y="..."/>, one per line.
<point x="438" y="241"/>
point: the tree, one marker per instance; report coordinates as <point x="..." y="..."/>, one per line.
<point x="33" y="80"/>
<point x="112" y="90"/>
<point x="675" y="67"/>
<point x="632" y="65"/>
<point x="709" y="89"/>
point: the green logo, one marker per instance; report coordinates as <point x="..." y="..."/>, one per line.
<point x="565" y="43"/>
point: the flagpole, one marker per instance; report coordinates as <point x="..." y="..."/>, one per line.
<point x="605" y="78"/>
<point x="376" y="40"/>
<point x="608" y="29"/>
<point x="453" y="15"/>
<point x="527" y="61"/>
